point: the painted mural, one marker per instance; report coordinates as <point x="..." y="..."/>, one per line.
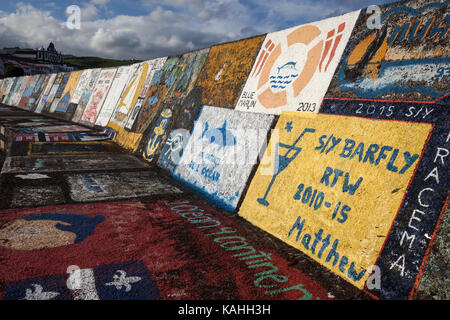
<point x="6" y="83"/>
<point x="89" y="86"/>
<point x="18" y="90"/>
<point x="98" y="96"/>
<point x="406" y="59"/>
<point x="37" y="91"/>
<point x="29" y="88"/>
<point x="134" y="262"/>
<point x="10" y="90"/>
<point x="130" y="94"/>
<point x="62" y="163"/>
<point x="353" y="180"/>
<point x="68" y="92"/>
<point x="155" y="65"/>
<point x="59" y="92"/>
<point x="131" y="102"/>
<point x="224" y="144"/>
<point x="52" y="93"/>
<point x="86" y="187"/>
<point x="42" y="100"/>
<point x="184" y="76"/>
<point x="295" y="66"/>
<point x="402" y="258"/>
<point x="226" y="70"/>
<point x="120" y="80"/>
<point x="181" y="130"/>
<point x="60" y="147"/>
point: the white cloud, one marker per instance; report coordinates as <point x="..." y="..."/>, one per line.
<point x="89" y="12"/>
<point x="161" y="32"/>
<point x="165" y="27"/>
<point x="100" y="2"/>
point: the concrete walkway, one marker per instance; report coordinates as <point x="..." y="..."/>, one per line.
<point x="82" y="219"/>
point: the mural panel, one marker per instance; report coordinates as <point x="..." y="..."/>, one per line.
<point x="184" y="76"/>
<point x="39" y="164"/>
<point x="406" y="59"/>
<point x="68" y="92"/>
<point x="118" y="185"/>
<point x="120" y="80"/>
<point x="45" y="93"/>
<point x="37" y="91"/>
<point x="29" y="88"/>
<point x="402" y="258"/>
<point x="98" y="96"/>
<point x="59" y="92"/>
<point x="224" y="144"/>
<point x="226" y="70"/>
<point x="85" y="94"/>
<point x="131" y="102"/>
<point x="135" y="262"/>
<point x="295" y="66"/>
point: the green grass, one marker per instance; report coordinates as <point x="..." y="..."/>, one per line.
<point x="95" y="62"/>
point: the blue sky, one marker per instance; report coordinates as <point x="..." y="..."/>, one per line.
<point x="145" y="29"/>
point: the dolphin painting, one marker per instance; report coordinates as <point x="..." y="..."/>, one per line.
<point x="220" y="136"/>
<point x="288" y="65"/>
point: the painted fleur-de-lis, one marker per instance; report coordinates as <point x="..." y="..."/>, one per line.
<point x="38" y="293"/>
<point x="122" y="280"/>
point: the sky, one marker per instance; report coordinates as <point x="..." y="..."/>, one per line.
<point x="146" y="29"/>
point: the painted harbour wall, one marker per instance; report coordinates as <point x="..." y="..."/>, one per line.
<point x="332" y="136"/>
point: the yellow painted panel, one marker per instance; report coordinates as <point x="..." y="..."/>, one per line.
<point x="226" y="69"/>
<point x="72" y="83"/>
<point x="343" y="182"/>
<point x="126" y="139"/>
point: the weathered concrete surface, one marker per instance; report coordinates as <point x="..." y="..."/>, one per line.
<point x="58" y="163"/>
<point x="164" y="240"/>
<point x="226" y="70"/>
<point x="160" y="241"/>
<point x="86" y="187"/>
<point x="435" y="282"/>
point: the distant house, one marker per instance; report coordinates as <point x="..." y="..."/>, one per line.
<point x="50" y="55"/>
<point x="33" y="61"/>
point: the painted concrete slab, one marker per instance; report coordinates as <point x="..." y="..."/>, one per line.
<point x="59" y="93"/>
<point x="131" y="103"/>
<point x="186" y="73"/>
<point x="43" y="164"/>
<point x="406" y="59"/>
<point x="402" y="260"/>
<point x="118" y="185"/>
<point x="29" y="87"/>
<point x="45" y="94"/>
<point x="86" y="94"/>
<point x="181" y="131"/>
<point x="98" y="96"/>
<point x="34" y="196"/>
<point x="226" y="70"/>
<point x="68" y="92"/>
<point x="327" y="180"/>
<point x="158" y="246"/>
<point x="120" y="80"/>
<point x="224" y="144"/>
<point x="295" y="66"/>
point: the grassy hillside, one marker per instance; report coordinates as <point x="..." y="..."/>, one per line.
<point x="95" y="62"/>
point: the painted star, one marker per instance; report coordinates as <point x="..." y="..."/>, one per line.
<point x="288" y="127"/>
